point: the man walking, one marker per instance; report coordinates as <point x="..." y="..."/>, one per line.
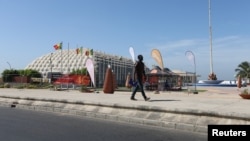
<point x="139" y="75"/>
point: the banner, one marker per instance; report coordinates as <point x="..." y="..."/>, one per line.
<point x="90" y="68"/>
<point x="132" y="53"/>
<point x="190" y="57"/>
<point x="155" y="53"/>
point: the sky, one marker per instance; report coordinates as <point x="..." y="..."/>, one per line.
<point x="30" y="28"/>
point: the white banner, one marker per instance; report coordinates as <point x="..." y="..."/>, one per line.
<point x="90" y="68"/>
<point x="132" y="53"/>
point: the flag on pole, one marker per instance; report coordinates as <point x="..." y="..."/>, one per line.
<point x="81" y="50"/>
<point x="77" y="50"/>
<point x="58" y="46"/>
<point x="91" y="52"/>
<point x="87" y="53"/>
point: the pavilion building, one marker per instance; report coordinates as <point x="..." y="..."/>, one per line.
<point x="65" y="61"/>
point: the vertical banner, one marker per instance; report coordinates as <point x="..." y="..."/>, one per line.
<point x="156" y="54"/>
<point x="132" y="53"/>
<point x="90" y="68"/>
<point x="190" y="57"/>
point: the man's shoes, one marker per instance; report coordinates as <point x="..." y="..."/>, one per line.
<point x="147" y="99"/>
<point x="133" y="99"/>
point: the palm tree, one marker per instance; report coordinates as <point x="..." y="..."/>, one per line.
<point x="243" y="70"/>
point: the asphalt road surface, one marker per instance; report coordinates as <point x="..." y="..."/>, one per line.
<point x="28" y="125"/>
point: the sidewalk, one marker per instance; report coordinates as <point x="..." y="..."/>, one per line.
<point x="179" y="110"/>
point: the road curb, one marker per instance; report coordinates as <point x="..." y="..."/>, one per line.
<point x="145" y="115"/>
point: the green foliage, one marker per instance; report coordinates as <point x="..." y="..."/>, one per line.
<point x="30" y="73"/>
<point x="243" y="70"/>
<point x="20" y="86"/>
<point x="85" y="89"/>
<point x="6" y="85"/>
<point x="31" y="86"/>
<point x="8" y="75"/>
<point x="245" y="91"/>
<point x="80" y="71"/>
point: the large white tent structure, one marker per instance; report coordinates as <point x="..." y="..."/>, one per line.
<point x="65" y="61"/>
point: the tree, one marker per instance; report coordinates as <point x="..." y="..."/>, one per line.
<point x="8" y="75"/>
<point x="243" y="70"/>
<point x="30" y="73"/>
<point x="82" y="71"/>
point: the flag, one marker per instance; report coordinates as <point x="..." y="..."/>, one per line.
<point x="156" y="54"/>
<point x="190" y="57"/>
<point x="90" y="67"/>
<point x="77" y="50"/>
<point x="87" y="53"/>
<point x="58" y="46"/>
<point x="132" y="53"/>
<point x="81" y="50"/>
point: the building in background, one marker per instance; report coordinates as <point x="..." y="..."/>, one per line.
<point x="65" y="61"/>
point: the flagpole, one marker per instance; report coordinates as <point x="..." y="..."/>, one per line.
<point x="68" y="68"/>
<point x="77" y="52"/>
<point x="61" y="57"/>
<point x="81" y="59"/>
<point x="61" y="44"/>
<point x="51" y="68"/>
<point x="68" y="59"/>
<point x="93" y="59"/>
<point x="210" y="35"/>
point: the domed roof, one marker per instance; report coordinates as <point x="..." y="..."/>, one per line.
<point x="59" y="61"/>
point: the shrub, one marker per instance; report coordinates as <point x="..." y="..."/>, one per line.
<point x="6" y="85"/>
<point x="31" y="86"/>
<point x="245" y="91"/>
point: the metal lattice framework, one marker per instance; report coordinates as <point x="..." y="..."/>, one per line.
<point x="65" y="61"/>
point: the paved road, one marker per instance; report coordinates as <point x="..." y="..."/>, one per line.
<point x="178" y="110"/>
<point x="27" y="125"/>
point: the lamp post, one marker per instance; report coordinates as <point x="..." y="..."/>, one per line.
<point x="9" y="64"/>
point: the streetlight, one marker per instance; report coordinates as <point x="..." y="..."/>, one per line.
<point x="9" y="64"/>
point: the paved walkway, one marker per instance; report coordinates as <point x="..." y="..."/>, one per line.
<point x="181" y="110"/>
